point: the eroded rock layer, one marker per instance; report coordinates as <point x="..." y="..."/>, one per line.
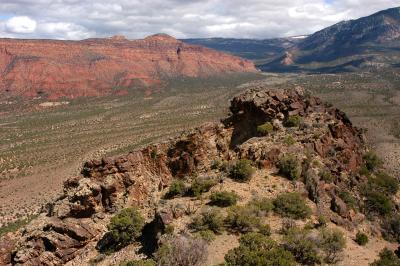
<point x="95" y="67"/>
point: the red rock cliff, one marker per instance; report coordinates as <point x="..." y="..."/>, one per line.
<point x="95" y="67"/>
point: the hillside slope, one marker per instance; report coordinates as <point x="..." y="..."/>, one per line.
<point x="286" y="159"/>
<point x="252" y="49"/>
<point x="96" y="67"/>
<point x="372" y="41"/>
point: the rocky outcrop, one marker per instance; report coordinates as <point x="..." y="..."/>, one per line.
<point x="80" y="215"/>
<point x="95" y="67"/>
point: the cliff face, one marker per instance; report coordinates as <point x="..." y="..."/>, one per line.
<point x="96" y="67"/>
<point x="70" y="227"/>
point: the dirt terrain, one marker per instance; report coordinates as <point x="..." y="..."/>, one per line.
<point x="37" y="154"/>
<point x="296" y="170"/>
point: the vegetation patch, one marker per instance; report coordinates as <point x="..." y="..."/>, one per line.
<point x="371" y="161"/>
<point x="243" y="219"/>
<point x="177" y="188"/>
<point x="265" y="129"/>
<point x="201" y="185"/>
<point x="182" y="250"/>
<point x="291" y="205"/>
<point x="290" y="167"/>
<point x="378" y="203"/>
<point x="223" y="199"/>
<point x="361" y="239"/>
<point x="242" y="171"/>
<point x="123" y="228"/>
<point x="386" y="258"/>
<point x="210" y="219"/>
<point x="257" y="249"/>
<point x="292" y="121"/>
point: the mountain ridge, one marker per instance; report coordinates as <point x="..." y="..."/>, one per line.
<point x="97" y="67"/>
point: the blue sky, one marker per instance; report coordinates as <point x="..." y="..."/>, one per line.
<point x="79" y="19"/>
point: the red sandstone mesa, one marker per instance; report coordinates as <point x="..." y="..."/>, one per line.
<point x="96" y="67"/>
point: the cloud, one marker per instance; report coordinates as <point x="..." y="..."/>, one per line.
<point x="77" y="19"/>
<point x="20" y="24"/>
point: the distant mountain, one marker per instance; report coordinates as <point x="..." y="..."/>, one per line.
<point x="258" y="50"/>
<point x="96" y="67"/>
<point x="372" y="41"/>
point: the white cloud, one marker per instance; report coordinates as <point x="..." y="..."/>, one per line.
<point x="77" y="19"/>
<point x="21" y="24"/>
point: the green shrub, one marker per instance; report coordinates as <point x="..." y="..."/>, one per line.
<point x="182" y="250"/>
<point x="384" y="183"/>
<point x="378" y="203"/>
<point x="391" y="228"/>
<point x="386" y="258"/>
<point x="201" y="185"/>
<point x="289" y="140"/>
<point x="169" y="229"/>
<point x="291" y="205"/>
<point x="348" y="199"/>
<point x="332" y="243"/>
<point x="290" y="167"/>
<point x="292" y="121"/>
<point x="223" y="199"/>
<point x="361" y="239"/>
<point x="124" y="228"/>
<point x="242" y="219"/>
<point x="261" y="206"/>
<point x="177" y="188"/>
<point x="242" y="171"/>
<point x="265" y="129"/>
<point x="326" y="176"/>
<point x="372" y="161"/>
<point x="144" y="262"/>
<point x="209" y="219"/>
<point x="304" y="248"/>
<point x="322" y="221"/>
<point x="258" y="250"/>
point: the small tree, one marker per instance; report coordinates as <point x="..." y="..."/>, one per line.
<point x="242" y="171"/>
<point x="223" y="199"/>
<point x="291" y="205"/>
<point x="290" y="167"/>
<point x="123" y="229"/>
<point x="257" y="249"/>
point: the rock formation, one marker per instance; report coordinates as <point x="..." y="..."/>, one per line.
<point x="95" y="67"/>
<point x="78" y="217"/>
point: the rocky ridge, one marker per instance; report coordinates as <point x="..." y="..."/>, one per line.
<point x="69" y="228"/>
<point x="96" y="67"/>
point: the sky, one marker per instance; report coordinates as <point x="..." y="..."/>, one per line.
<point x="261" y="19"/>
